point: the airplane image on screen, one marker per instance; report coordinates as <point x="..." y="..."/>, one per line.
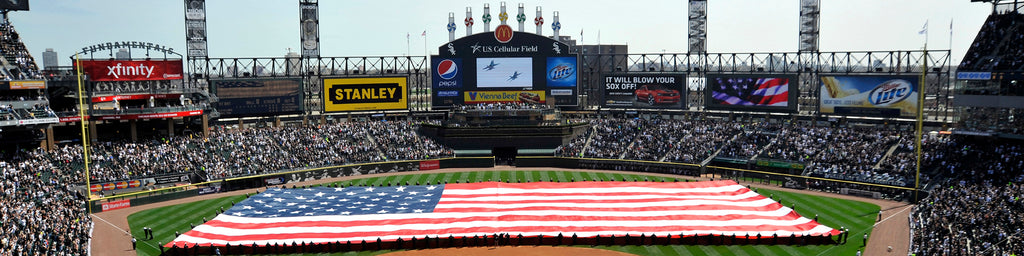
<point x="514" y="76"/>
<point x="490" y="66"/>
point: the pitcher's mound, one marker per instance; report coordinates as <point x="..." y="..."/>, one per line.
<point x="509" y="251"/>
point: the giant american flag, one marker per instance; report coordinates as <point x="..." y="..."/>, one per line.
<point x="587" y="209"/>
<point x="767" y="92"/>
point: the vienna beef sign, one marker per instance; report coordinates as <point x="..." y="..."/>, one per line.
<point x="132" y="70"/>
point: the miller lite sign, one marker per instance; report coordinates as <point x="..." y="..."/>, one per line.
<point x="890" y="92"/>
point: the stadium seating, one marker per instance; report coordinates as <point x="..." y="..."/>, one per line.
<point x="999" y="45"/>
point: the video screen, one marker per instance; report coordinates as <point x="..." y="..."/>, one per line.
<point x="756" y="91"/>
<point x="504" y="72"/>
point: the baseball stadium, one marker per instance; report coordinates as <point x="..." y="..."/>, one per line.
<point x="508" y="140"/>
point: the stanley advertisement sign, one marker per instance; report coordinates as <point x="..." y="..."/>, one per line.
<point x="364" y="94"/>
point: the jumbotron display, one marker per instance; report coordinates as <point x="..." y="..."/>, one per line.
<point x="258" y="97"/>
<point x="752" y="92"/>
<point x="481" y="69"/>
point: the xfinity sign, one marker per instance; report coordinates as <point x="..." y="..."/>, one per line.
<point x="132" y="70"/>
<point x="121" y="70"/>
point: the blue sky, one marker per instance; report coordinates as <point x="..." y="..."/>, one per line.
<point x="267" y="28"/>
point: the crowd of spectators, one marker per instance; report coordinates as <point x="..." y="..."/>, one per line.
<point x="501" y="106"/>
<point x="999" y="44"/>
<point x="798" y="144"/>
<point x="15" y="54"/>
<point x="685" y="141"/>
<point x="231" y="152"/>
<point x="751" y="141"/>
<point x="611" y="137"/>
<point x="846" y="153"/>
<point x="852" y="153"/>
<point x="976" y="211"/>
<point x="401" y="142"/>
<point x="991" y="120"/>
<point x="40" y="213"/>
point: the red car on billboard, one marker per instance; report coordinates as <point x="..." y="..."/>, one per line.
<point x="653" y="94"/>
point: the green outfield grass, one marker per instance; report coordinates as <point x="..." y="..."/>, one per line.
<point x="857" y="216"/>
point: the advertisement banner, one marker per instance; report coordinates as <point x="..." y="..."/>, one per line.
<point x="561" y="72"/>
<point x="258" y="97"/>
<point x="134" y="97"/>
<point x="110" y="206"/>
<point x="68" y="119"/>
<point x="132" y="70"/>
<point x="209" y="190"/>
<point x="26" y="85"/>
<point x="767" y="92"/>
<point x="359" y="94"/>
<point x="274" y="181"/>
<point x="430" y="165"/>
<point x="153" y="115"/>
<point x="887" y="96"/>
<point x="172" y="179"/>
<point x="478" y="97"/>
<point x="644" y="91"/>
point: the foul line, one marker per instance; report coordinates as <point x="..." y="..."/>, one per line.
<point x="127" y="233"/>
<point x="905" y="207"/>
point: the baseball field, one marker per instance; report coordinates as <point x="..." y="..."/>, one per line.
<point x="859" y="217"/>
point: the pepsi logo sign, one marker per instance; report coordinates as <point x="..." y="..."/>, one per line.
<point x="447" y="69"/>
<point x="503" y="33"/>
<point x="562" y="71"/>
<point x="890" y="92"/>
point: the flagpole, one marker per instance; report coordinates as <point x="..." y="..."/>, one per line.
<point x="950" y="37"/>
<point x="407" y="51"/>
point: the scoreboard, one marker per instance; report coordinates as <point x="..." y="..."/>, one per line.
<point x="511" y="67"/>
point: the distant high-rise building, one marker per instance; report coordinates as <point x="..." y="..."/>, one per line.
<point x="294" y="63"/>
<point x="50" y="59"/>
<point x="122" y="54"/>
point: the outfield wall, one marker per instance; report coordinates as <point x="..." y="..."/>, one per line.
<point x="282" y="179"/>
